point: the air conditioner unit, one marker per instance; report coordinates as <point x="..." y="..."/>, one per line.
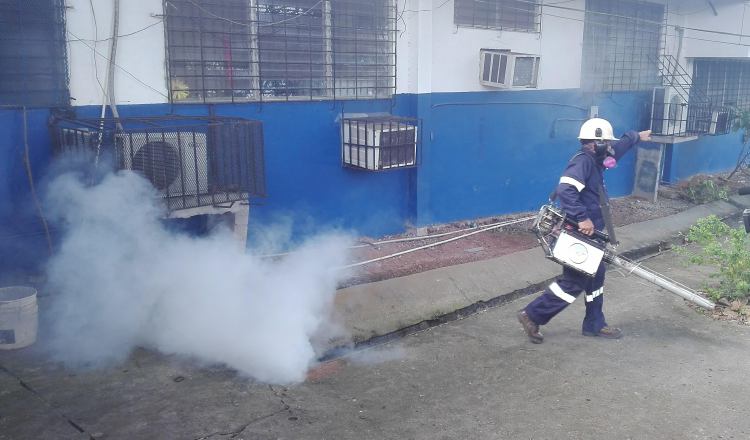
<point x="669" y="112"/>
<point x="176" y="163"/>
<point x="506" y="69"/>
<point x="719" y="122"/>
<point x="378" y="144"/>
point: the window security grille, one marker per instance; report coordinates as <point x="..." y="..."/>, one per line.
<point x="725" y="82"/>
<point x="512" y="15"/>
<point x="378" y="143"/>
<point x="32" y="53"/>
<point x="191" y="162"/>
<point x="621" y="45"/>
<point x="255" y="50"/>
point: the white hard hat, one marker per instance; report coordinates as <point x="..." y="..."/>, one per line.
<point x="597" y="129"/>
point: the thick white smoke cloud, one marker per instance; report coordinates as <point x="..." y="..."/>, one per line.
<point x="121" y="280"/>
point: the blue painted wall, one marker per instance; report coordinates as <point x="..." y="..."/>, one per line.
<point x="708" y="154"/>
<point x="22" y="242"/>
<point x="491" y="153"/>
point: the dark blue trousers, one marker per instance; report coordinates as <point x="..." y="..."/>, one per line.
<point x="564" y="291"/>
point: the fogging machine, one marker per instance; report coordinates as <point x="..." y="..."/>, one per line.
<point x="563" y="243"/>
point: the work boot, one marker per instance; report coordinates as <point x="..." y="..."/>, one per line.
<point x="531" y="328"/>
<point x="606" y="332"/>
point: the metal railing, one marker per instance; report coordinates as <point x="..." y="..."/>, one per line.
<point x="191" y="161"/>
<point x="380" y="143"/>
<point x="684" y="120"/>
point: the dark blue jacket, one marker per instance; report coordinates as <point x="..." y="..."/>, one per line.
<point x="578" y="190"/>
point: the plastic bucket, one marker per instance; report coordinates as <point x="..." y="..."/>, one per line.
<point x="19" y="317"/>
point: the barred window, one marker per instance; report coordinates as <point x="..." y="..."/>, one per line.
<point x="33" y="64"/>
<point x="513" y="15"/>
<point x="725" y="82"/>
<point x="621" y="45"/>
<point x="250" y="50"/>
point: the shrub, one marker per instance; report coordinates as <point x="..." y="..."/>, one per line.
<point x="725" y="248"/>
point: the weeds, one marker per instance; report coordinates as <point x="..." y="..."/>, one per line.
<point x="725" y="248"/>
<point x="704" y="190"/>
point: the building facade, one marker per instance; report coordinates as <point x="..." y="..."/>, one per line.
<point x="499" y="87"/>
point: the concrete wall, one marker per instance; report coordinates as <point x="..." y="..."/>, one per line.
<point x="141" y="77"/>
<point x="732" y="17"/>
<point x="22" y="242"/>
<point x="484" y="151"/>
<point x="491" y="153"/>
<point x="709" y="154"/>
<point x="437" y="56"/>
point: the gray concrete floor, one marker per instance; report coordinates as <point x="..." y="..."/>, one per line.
<point x="675" y="375"/>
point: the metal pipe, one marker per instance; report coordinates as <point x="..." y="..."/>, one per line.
<point x="651" y="277"/>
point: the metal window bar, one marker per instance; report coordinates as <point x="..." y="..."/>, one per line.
<point x="33" y="53"/>
<point x="257" y="50"/>
<point x="675" y="76"/>
<point x="621" y="45"/>
<point x="190" y="161"/>
<point x="512" y="15"/>
<point x="725" y="82"/>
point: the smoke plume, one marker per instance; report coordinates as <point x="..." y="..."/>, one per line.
<point x="120" y="279"/>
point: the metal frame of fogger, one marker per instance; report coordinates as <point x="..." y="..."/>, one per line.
<point x="564" y="244"/>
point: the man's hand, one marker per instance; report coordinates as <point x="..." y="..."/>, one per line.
<point x="586" y="226"/>
<point x="645" y="136"/>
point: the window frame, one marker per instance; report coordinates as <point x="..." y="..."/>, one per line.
<point x="535" y="15"/>
<point x="705" y="71"/>
<point x="53" y="63"/>
<point x="614" y="57"/>
<point x="382" y="44"/>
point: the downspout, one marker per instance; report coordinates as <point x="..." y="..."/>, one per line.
<point x="111" y="66"/>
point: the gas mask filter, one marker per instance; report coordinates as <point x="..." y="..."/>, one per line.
<point x="604" y="151"/>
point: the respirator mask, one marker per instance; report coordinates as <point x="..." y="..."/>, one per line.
<point x="604" y="152"/>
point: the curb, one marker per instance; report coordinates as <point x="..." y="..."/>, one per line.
<point x="451" y="301"/>
<point x="477" y="307"/>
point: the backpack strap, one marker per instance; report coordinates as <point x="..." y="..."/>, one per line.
<point x="603" y="202"/>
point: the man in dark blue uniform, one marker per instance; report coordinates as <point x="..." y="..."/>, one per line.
<point x="581" y="193"/>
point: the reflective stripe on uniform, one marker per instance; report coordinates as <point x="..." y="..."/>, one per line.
<point x="557" y="290"/>
<point x="571" y="181"/>
<point x="594" y="294"/>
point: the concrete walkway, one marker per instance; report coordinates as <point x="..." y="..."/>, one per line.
<point x="676" y="375"/>
<point x="379" y="308"/>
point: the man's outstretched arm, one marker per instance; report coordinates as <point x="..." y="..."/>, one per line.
<point x="628" y="140"/>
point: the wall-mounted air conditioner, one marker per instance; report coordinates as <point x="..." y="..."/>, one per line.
<point x="176" y="163"/>
<point x="506" y="69"/>
<point x="193" y="161"/>
<point x="669" y="112"/>
<point x="379" y="143"/>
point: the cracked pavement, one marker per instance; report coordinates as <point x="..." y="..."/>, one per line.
<point x="675" y="375"/>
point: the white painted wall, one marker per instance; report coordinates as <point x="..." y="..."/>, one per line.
<point x="433" y="54"/>
<point x="448" y="58"/>
<point x="733" y="17"/>
<point x="142" y="54"/>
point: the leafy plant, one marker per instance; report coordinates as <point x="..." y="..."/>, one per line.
<point x="741" y="122"/>
<point x="705" y="190"/>
<point x="725" y="248"/>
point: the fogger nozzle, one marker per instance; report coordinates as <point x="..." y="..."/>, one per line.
<point x="649" y="276"/>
